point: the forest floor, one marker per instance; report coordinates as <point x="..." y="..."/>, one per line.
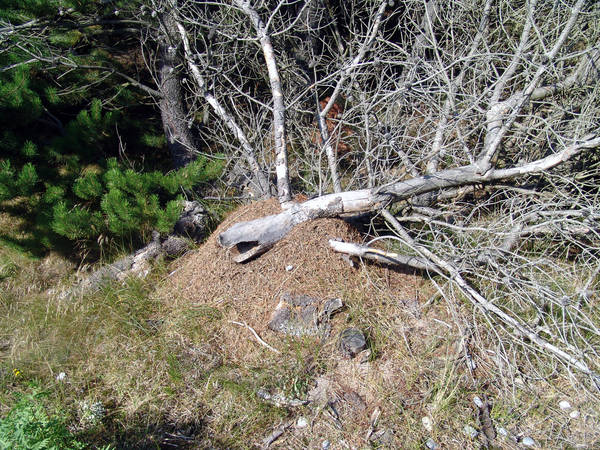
<point x="185" y="357"/>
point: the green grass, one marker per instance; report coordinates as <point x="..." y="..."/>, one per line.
<point x="29" y="425"/>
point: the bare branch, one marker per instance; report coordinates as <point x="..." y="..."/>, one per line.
<point x="279" y="131"/>
<point x="478" y="300"/>
<point x="247" y="150"/>
<point x="363" y="251"/>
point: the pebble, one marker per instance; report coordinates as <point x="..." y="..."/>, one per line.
<point x="574" y="414"/>
<point x="478" y="401"/>
<point x="289" y="268"/>
<point x="502" y="431"/>
<point x="528" y="442"/>
<point x="564" y="404"/>
<point x="326" y="445"/>
<point x="302" y="422"/>
<point x="352" y="341"/>
<point x="470" y="431"/>
<point x="427" y="424"/>
<point x="431" y="445"/>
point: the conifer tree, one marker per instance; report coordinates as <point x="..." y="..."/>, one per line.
<point x="76" y="136"/>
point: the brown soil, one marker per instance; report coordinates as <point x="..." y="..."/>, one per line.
<point x="417" y="367"/>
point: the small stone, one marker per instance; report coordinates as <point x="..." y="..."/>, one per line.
<point x="502" y="431"/>
<point x="478" y="402"/>
<point x="382" y="438"/>
<point x="564" y="404"/>
<point x="528" y="442"/>
<point x="574" y="414"/>
<point x="302" y="422"/>
<point x="289" y="268"/>
<point x="427" y="423"/>
<point x="470" y="431"/>
<point x="431" y="445"/>
<point x="352" y="341"/>
<point x="325" y="445"/>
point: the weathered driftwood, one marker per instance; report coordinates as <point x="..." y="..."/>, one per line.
<point x="363" y="251"/>
<point x="257" y="236"/>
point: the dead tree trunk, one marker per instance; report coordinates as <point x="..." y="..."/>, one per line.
<point x="257" y="236"/>
<point x="191" y="227"/>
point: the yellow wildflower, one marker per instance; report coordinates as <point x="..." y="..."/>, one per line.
<point x="16" y="373"/>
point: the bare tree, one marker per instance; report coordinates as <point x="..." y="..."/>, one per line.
<point x="472" y="128"/>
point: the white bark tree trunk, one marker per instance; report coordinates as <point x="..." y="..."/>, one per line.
<point x="281" y="157"/>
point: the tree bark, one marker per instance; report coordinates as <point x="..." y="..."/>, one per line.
<point x="191" y="225"/>
<point x="180" y="138"/>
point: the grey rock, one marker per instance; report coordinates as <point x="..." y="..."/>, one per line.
<point x="301" y="422"/>
<point x="352" y="341"/>
<point x="193" y="222"/>
<point x="528" y="442"/>
<point x="330" y="307"/>
<point x="470" y="431"/>
<point x="382" y="438"/>
<point x="431" y="444"/>
<point x="564" y="405"/>
<point x="295" y="316"/>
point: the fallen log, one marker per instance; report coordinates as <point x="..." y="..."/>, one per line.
<point x="255" y="237"/>
<point x="191" y="226"/>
